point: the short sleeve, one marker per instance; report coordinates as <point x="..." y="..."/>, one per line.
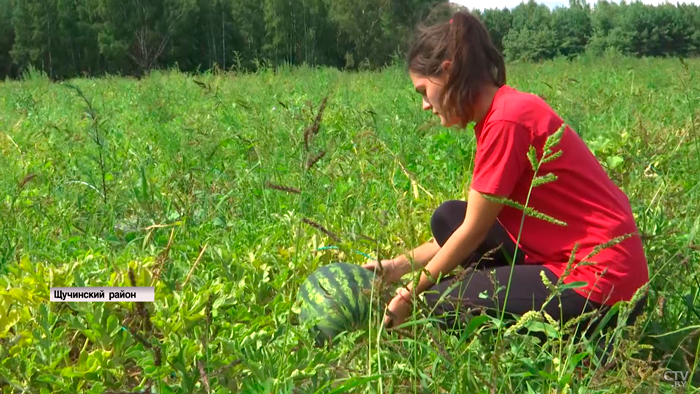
<point x="501" y="158"/>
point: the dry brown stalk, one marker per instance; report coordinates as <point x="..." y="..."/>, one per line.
<point x="313" y="129"/>
<point x="288" y="189"/>
<point x="321" y="228"/>
<point x="314" y="159"/>
<point x="196" y="262"/>
<point x="160" y="260"/>
<point x="203" y="374"/>
<point x="26" y="180"/>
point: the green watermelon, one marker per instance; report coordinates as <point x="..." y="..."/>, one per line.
<point x="339" y="294"/>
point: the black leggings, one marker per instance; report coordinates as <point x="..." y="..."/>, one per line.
<point x="527" y="292"/>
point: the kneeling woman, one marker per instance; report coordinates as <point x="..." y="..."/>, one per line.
<point x="461" y="77"/>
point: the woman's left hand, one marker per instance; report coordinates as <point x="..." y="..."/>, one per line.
<point x="399" y="308"/>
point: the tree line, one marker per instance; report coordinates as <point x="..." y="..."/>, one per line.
<point x="69" y="38"/>
<point x="534" y="32"/>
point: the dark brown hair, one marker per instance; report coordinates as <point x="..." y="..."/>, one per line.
<point x="475" y="60"/>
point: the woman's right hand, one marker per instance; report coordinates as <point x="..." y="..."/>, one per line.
<point x="393" y="271"/>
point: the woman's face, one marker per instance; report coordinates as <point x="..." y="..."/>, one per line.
<point x="430" y="88"/>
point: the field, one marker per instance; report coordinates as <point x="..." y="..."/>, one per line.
<point x="174" y="181"/>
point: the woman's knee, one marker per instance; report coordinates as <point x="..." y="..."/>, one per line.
<point x="446" y="219"/>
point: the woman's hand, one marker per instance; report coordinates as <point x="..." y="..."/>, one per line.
<point x="399" y="308"/>
<point x="393" y="271"/>
<point x="399" y="266"/>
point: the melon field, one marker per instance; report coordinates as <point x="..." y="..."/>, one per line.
<point x="225" y="191"/>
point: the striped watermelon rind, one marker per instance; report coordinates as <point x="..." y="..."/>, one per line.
<point x="338" y="295"/>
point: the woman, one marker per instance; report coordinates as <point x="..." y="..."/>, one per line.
<point x="461" y="77"/>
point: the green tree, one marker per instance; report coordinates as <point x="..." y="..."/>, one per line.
<point x="35" y="24"/>
<point x="532" y="36"/>
<point x="67" y="38"/>
<point x="372" y="30"/>
<point x="7" y="39"/>
<point x="688" y="37"/>
<point x="608" y="33"/>
<point x="134" y="35"/>
<point x="249" y="19"/>
<point x="573" y="27"/>
<point x="499" y="23"/>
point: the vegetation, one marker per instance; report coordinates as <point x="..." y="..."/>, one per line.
<point x="73" y="38"/>
<point x="226" y="190"/>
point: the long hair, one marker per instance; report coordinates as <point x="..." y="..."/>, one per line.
<point x="475" y="60"/>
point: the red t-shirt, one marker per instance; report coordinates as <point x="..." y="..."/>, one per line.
<point x="594" y="209"/>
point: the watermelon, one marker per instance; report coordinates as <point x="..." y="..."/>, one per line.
<point x="340" y="295"/>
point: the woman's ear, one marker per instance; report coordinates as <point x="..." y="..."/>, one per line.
<point x="446" y="64"/>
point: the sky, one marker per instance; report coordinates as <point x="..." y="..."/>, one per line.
<point x="482" y="4"/>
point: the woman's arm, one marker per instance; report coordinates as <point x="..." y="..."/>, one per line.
<point x="421" y="256"/>
<point x="399" y="266"/>
<point x="481" y="215"/>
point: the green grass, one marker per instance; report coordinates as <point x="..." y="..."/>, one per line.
<point x="164" y="173"/>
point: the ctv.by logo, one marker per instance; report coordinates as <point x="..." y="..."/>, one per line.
<point x="679" y="378"/>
